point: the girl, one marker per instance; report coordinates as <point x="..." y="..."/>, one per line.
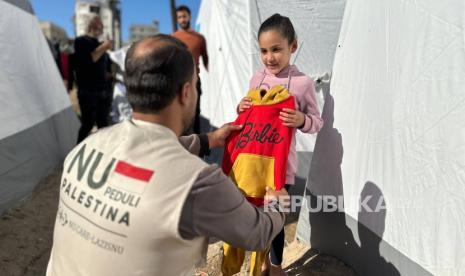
<point x="277" y="41"/>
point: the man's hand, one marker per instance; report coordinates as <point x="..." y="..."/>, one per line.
<point x="245" y="103"/>
<point x="281" y="197"/>
<point x="101" y="49"/>
<point x="218" y="137"/>
<point x="292" y="118"/>
<point x="107" y="45"/>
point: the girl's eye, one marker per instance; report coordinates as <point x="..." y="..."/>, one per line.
<point x="276" y="50"/>
<point x="263" y="51"/>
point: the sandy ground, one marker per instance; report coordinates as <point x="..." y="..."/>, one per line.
<point x="26" y="236"/>
<point x="26" y="231"/>
<point x="298" y="259"/>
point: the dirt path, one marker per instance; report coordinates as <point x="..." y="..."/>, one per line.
<point x="26" y="238"/>
<point x="298" y="259"/>
<point x="26" y="231"/>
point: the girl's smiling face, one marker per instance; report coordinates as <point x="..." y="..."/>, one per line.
<point x="275" y="50"/>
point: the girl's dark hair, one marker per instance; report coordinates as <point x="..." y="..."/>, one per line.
<point x="279" y="23"/>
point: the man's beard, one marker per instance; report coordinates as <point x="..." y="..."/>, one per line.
<point x="186" y="26"/>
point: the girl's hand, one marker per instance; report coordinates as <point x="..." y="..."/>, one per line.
<point x="245" y="103"/>
<point x="292" y="118"/>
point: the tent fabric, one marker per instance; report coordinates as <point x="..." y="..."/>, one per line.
<point x="230" y="28"/>
<point x="31" y="154"/>
<point x="394" y="124"/>
<point x="317" y="24"/>
<point x="21" y="4"/>
<point x="226" y="27"/>
<point x="395" y="131"/>
<point x="39" y="126"/>
<point x="31" y="86"/>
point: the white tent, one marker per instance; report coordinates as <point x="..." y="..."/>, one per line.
<point x="38" y="123"/>
<point x="394" y="123"/>
<point x="396" y="132"/>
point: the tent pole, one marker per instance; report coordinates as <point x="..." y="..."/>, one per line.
<point x="173" y="15"/>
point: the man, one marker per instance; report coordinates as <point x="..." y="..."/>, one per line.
<point x="92" y="78"/>
<point x="198" y="47"/>
<point x="133" y="200"/>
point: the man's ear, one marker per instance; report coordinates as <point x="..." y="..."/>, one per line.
<point x="185" y="93"/>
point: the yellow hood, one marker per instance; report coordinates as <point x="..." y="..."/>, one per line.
<point x="274" y="95"/>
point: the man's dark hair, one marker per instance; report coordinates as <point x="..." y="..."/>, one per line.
<point x="183" y="8"/>
<point x="279" y="23"/>
<point x="155" y="74"/>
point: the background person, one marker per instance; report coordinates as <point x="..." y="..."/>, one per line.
<point x="198" y="47"/>
<point x="90" y="64"/>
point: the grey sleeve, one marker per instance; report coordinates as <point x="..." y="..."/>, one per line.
<point x="216" y="208"/>
<point x="196" y="144"/>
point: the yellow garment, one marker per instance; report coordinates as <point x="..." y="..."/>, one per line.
<point x="234" y="257"/>
<point x="252" y="183"/>
<point x="275" y="95"/>
<point x="263" y="175"/>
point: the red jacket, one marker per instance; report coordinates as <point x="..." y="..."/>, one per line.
<point x="256" y="156"/>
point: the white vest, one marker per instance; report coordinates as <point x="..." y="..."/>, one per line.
<point x="121" y="198"/>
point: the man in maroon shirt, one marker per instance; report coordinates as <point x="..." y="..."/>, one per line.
<point x="198" y="47"/>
